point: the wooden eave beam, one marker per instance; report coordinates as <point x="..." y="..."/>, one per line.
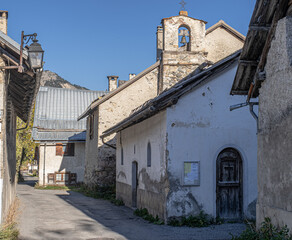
<point x="280" y="12"/>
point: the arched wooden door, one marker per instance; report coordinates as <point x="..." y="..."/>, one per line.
<point x="229" y="184"/>
<point x="134" y="183"/>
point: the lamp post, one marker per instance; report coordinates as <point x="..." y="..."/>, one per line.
<point x="35" y="54"/>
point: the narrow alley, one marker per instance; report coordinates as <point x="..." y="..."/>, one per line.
<point x="57" y="214"/>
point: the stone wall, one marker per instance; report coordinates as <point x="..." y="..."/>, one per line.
<point x="220" y="43"/>
<point x="3" y="21"/>
<point x="275" y="131"/>
<point x="100" y="158"/>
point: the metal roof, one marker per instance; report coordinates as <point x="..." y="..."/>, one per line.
<point x="9" y="42"/>
<point x="59" y="108"/>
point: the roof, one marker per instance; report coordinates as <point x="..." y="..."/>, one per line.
<point x="170" y="97"/>
<point x="57" y="110"/>
<point x="183" y="16"/>
<point x="22" y="87"/>
<point x="13" y="45"/>
<point x="254" y="53"/>
<point x="222" y="24"/>
<point x="97" y="102"/>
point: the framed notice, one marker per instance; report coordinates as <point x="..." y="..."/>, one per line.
<point x="191" y="174"/>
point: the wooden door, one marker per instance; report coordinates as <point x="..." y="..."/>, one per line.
<point x="134" y="183"/>
<point x="229" y="184"/>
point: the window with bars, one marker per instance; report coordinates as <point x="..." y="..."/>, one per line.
<point x="65" y="149"/>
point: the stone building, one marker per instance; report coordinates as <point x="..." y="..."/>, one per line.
<point x="61" y="136"/>
<point x="184" y="151"/>
<point x="17" y="95"/>
<point x="182" y="45"/>
<point x="265" y="71"/>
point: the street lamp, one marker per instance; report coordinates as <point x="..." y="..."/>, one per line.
<point x="35" y="54"/>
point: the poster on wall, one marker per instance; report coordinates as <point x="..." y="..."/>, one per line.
<point x="191" y="173"/>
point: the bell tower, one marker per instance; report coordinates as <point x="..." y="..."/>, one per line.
<point x="180" y="47"/>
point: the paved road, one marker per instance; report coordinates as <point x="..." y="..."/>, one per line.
<point x="50" y="214"/>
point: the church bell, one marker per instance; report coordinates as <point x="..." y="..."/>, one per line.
<point x="183" y="40"/>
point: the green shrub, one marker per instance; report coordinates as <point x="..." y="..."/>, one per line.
<point x="143" y="213"/>
<point x="267" y="231"/>
<point x="200" y="220"/>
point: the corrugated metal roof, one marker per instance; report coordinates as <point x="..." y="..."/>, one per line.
<point x="8" y="41"/>
<point x="59" y="108"/>
<point x="58" y="136"/>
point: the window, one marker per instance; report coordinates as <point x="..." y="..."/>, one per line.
<point x="65" y="149"/>
<point x="122" y="156"/>
<point x="148" y="154"/>
<point x="91" y="126"/>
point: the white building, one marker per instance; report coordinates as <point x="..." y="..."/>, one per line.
<point x="184" y="151"/>
<point x="61" y="136"/>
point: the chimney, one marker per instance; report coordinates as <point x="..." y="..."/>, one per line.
<point x="159" y="43"/>
<point x="112" y="82"/>
<point x="132" y="75"/>
<point x="3" y="21"/>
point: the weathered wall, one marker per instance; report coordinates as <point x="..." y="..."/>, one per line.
<point x="53" y="163"/>
<point x="170" y="32"/>
<point x="177" y="65"/>
<point x="7" y="149"/>
<point x="275" y="131"/>
<point x="177" y="62"/>
<point x="100" y="159"/>
<point x="153" y="184"/>
<point x="199" y="127"/>
<point x="3" y="21"/>
<point x="220" y="43"/>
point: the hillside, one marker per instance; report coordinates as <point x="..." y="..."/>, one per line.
<point x="51" y="79"/>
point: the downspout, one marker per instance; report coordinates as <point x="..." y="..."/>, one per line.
<point x="111" y="146"/>
<point x="44" y="167"/>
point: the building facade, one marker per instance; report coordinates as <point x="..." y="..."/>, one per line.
<point x="17" y="95"/>
<point x="61" y="136"/>
<point x="268" y="77"/>
<point x="184" y="151"/>
<point x="182" y="44"/>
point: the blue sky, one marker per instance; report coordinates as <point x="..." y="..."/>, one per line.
<point x="86" y="40"/>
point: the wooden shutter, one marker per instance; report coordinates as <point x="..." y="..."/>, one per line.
<point x="91" y="126"/>
<point x="59" y="149"/>
<point x="69" y="149"/>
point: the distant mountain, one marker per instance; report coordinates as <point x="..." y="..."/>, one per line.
<point x="51" y="79"/>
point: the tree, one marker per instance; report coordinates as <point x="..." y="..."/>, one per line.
<point x="25" y="146"/>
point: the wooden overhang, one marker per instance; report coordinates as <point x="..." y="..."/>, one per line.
<point x="22" y="87"/>
<point x="252" y="60"/>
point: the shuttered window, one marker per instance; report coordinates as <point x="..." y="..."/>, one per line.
<point x="59" y="149"/>
<point x="65" y="149"/>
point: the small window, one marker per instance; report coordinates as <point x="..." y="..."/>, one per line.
<point x="122" y="156"/>
<point x="65" y="149"/>
<point x="148" y="154"/>
<point x="91" y="126"/>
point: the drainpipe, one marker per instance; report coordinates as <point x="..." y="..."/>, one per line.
<point x="111" y="146"/>
<point x="44" y="167"/>
<point x="251" y="105"/>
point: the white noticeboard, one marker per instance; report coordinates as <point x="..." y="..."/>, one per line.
<point x="191" y="173"/>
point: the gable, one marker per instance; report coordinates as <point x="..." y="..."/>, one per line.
<point x="221" y="42"/>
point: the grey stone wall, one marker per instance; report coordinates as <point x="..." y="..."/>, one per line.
<point x="275" y="131"/>
<point x="100" y="159"/>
